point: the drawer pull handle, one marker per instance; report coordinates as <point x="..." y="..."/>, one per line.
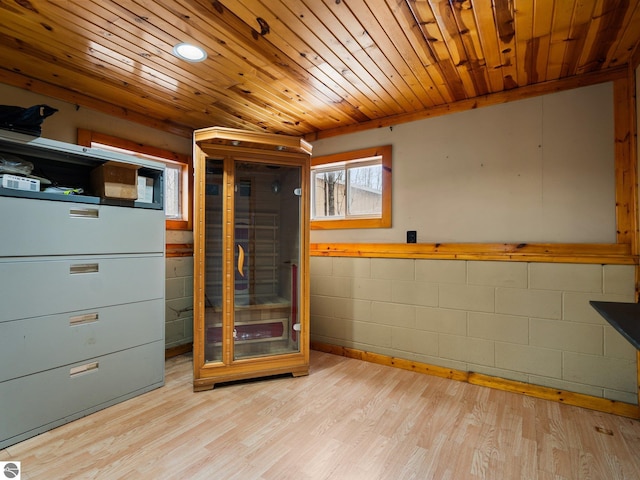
<point x="83" y="268"/>
<point x="79" y="370"/>
<point x="82" y="319"/>
<point x="84" y="212"/>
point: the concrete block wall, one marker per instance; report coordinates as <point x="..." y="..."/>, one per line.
<point x="529" y="322"/>
<point x="179" y="301"/>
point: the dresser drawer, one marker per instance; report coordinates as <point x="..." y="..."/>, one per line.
<point x="41" y="343"/>
<point x="48" y="399"/>
<point x="45" y="286"/>
<point x="42" y="227"/>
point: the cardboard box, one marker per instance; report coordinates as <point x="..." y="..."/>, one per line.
<point x="115" y="180"/>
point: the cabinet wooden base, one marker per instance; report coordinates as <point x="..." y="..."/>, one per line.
<point x="202" y="384"/>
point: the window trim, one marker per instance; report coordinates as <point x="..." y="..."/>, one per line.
<point x="87" y="137"/>
<point x="384" y="221"/>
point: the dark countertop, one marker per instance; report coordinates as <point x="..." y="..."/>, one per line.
<point x="624" y="317"/>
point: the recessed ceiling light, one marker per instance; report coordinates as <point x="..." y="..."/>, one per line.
<point x="189" y="52"/>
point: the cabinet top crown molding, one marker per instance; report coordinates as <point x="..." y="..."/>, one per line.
<point x="255" y="140"/>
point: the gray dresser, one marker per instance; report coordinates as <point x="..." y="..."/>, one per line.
<point x="81" y="291"/>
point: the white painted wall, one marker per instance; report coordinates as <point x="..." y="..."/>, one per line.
<point x="63" y="125"/>
<point x="534" y="170"/>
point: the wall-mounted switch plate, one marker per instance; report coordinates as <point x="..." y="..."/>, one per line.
<point x="412" y="236"/>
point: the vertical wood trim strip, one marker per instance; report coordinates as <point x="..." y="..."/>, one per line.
<point x="633" y="154"/>
<point x="228" y="259"/>
<point x="625" y="166"/>
<point x="198" y="266"/>
<point x="304" y="312"/>
<point x="628" y="94"/>
<point x="633" y="161"/>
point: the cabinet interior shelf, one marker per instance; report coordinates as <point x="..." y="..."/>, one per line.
<point x="88" y="199"/>
<point x="257" y="303"/>
<point x="56" y="163"/>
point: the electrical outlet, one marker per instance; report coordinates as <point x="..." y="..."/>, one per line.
<point x="412" y="236"/>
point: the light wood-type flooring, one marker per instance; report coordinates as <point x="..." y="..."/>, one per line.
<point x="347" y="420"/>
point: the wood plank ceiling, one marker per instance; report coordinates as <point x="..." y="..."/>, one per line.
<point x="305" y="67"/>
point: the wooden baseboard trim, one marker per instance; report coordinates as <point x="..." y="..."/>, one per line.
<point x="537" y="391"/>
<point x="179" y="350"/>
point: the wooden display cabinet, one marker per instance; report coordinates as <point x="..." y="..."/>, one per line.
<point x="251" y="260"/>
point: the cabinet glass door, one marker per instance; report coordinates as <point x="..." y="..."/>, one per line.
<point x="213" y="260"/>
<point x="266" y="233"/>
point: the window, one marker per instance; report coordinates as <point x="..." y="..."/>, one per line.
<point x="352" y="189"/>
<point x="177" y="181"/>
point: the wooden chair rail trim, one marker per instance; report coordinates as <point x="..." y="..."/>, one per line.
<point x="537" y="391"/>
<point x="179" y="250"/>
<point x="613" y="254"/>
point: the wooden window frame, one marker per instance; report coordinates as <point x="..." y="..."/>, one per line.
<point x="384" y="221"/>
<point x="87" y="138"/>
